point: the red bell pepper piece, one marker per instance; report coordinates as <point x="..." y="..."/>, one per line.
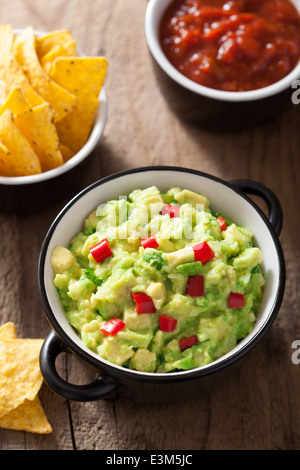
<point x="101" y="250"/>
<point x="186" y="343"/>
<point x="149" y="242"/>
<point x="144" y="303"/>
<point x="112" y="326"/>
<point x="167" y="324"/>
<point x="203" y="252"/>
<point x="195" y="286"/>
<point x="171" y="210"/>
<point x="236" y="300"/>
<point x="222" y="223"/>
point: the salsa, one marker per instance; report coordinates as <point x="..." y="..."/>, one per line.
<point x="232" y="45"/>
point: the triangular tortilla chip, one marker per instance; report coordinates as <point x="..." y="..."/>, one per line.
<point x="29" y="416"/>
<point x="15" y="101"/>
<point x="38" y="128"/>
<point x="20" y="159"/>
<point x="56" y="51"/>
<point x="66" y="152"/>
<point x="60" y="37"/>
<point x="59" y="98"/>
<point x="2" y="92"/>
<point x="20" y="376"/>
<point x="8" y="331"/>
<point x="10" y="71"/>
<point x="83" y="77"/>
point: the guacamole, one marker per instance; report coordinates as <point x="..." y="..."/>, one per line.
<point x="159" y="281"/>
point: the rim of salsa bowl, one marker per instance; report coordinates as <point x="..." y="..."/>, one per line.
<point x="154" y="12"/>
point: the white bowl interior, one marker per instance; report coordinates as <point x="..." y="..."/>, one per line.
<point x="223" y="199"/>
<point x="154" y="12"/>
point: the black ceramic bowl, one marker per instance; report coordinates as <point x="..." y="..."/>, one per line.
<point x="214" y="109"/>
<point x="25" y="194"/>
<point x="228" y="198"/>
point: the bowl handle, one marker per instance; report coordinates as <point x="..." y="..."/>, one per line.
<point x="99" y="388"/>
<point x="274" y="207"/>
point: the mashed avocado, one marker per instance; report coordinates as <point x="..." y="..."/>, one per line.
<point x="159" y="282"/>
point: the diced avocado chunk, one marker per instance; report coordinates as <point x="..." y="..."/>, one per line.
<point x="248" y="259"/>
<point x="190" y="269"/>
<point x="143" y="360"/>
<point x="137" y="339"/>
<point x="147" y="196"/>
<point x="157" y="292"/>
<point x="189" y="197"/>
<point x="135" y="321"/>
<point x="115" y="350"/>
<point x="61" y="259"/>
<point x="115" y="294"/>
<point x="185" y="255"/>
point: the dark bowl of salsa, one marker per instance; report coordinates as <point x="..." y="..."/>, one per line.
<point x="226" y="64"/>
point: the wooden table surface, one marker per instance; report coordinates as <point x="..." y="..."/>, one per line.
<point x="258" y="407"/>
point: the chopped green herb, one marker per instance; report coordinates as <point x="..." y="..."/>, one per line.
<point x="219" y="214"/>
<point x="155" y="259"/>
<point x="89" y="273"/>
<point x="257" y="269"/>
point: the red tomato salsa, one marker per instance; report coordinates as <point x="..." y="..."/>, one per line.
<point x="232" y="45"/>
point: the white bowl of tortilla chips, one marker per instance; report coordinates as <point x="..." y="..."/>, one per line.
<point x="53" y="109"/>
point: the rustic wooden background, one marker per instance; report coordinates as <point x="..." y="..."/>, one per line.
<point x="259" y="406"/>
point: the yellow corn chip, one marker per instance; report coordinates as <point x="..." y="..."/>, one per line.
<point x="10" y="71"/>
<point x="16" y="102"/>
<point x="3" y="149"/>
<point x="8" y="331"/>
<point x="56" y="51"/>
<point x="2" y="92"/>
<point x="60" y="37"/>
<point x="38" y="128"/>
<point x="57" y="96"/>
<point x="20" y="158"/>
<point x="6" y="39"/>
<point x="29" y="417"/>
<point x="83" y="77"/>
<point x="20" y="376"/>
<point x="66" y="152"/>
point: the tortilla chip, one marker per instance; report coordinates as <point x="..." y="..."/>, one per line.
<point x="6" y="39"/>
<point x="2" y="92"/>
<point x="38" y="128"/>
<point x="8" y="331"/>
<point x="83" y="77"/>
<point x="57" y="96"/>
<point x="29" y="417"/>
<point x="20" y="158"/>
<point x="16" y="102"/>
<point x="10" y="71"/>
<point x="56" y="51"/>
<point x="3" y="148"/>
<point x="66" y="152"/>
<point x="60" y="37"/>
<point x="20" y="376"/>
